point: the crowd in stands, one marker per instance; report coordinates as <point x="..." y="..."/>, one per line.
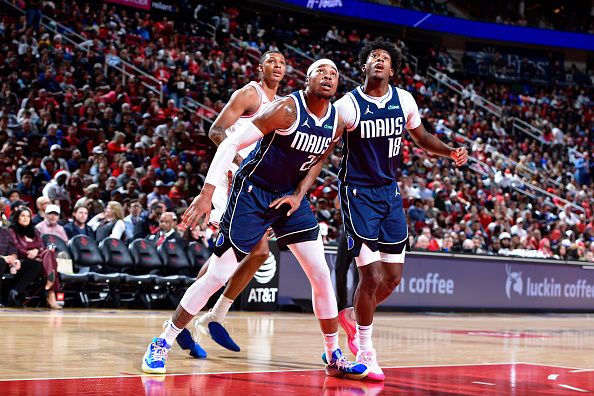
<point x="89" y="152"/>
<point x="569" y="15"/>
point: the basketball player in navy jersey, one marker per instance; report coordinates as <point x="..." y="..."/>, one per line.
<point x="376" y="116"/>
<point x="245" y="104"/>
<point x="292" y="135"/>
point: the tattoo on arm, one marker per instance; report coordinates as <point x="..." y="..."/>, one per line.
<point x="217" y="134"/>
<point x="290" y="114"/>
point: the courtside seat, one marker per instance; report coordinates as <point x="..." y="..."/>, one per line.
<point x="186" y="280"/>
<point x="197" y="254"/>
<point x="168" y="281"/>
<point x="116" y="255"/>
<point x="57" y="241"/>
<point x="85" y="253"/>
<point x="145" y="257"/>
<point x="174" y="258"/>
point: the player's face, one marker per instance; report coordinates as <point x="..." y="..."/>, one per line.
<point x="378" y="65"/>
<point x="323" y="81"/>
<point x="274" y="67"/>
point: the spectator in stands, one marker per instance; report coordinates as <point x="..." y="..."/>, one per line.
<point x="91" y="200"/>
<point x="28" y="190"/>
<point x="25" y="271"/>
<point x="132" y="219"/>
<point x="128" y="174"/>
<point x="42" y="203"/>
<point x="167" y="232"/>
<point x="78" y="224"/>
<point x="160" y="194"/>
<point x="50" y="226"/>
<point x="56" y="189"/>
<point x="30" y="246"/>
<point x="422" y="243"/>
<point x="149" y="225"/>
<point x="109" y="224"/>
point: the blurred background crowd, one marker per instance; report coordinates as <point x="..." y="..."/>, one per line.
<point x="114" y="154"/>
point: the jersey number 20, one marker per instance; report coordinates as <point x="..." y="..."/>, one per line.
<point x="394" y="146"/>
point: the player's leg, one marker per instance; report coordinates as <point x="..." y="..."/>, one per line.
<point x="310" y="255"/>
<point x="363" y="212"/>
<point x="300" y="232"/>
<point x="248" y="229"/>
<point x="212" y="322"/>
<point x="193" y="301"/>
<point x="392" y="240"/>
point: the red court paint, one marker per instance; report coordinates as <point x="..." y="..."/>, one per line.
<point x="504" y="379"/>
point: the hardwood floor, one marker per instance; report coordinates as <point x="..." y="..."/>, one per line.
<point x="93" y="343"/>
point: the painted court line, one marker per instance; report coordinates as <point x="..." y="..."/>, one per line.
<point x="482" y="383"/>
<point x="573" y="388"/>
<point x="128" y="375"/>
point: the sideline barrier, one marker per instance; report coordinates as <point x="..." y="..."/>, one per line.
<point x="447" y="281"/>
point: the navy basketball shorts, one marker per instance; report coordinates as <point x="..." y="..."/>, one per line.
<point x="374" y="216"/>
<point x="248" y="217"/>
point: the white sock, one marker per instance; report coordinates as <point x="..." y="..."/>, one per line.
<point x="330" y="344"/>
<point x="171" y="331"/>
<point x="365" y="337"/>
<point x="221" y="308"/>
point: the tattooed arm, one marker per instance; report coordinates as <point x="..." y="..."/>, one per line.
<point x="243" y="101"/>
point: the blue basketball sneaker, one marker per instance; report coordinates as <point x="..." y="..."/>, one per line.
<point x="207" y="324"/>
<point x="340" y="366"/>
<point x="185" y="341"/>
<point x="155" y="356"/>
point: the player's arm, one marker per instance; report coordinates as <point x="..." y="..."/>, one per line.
<point x="281" y="114"/>
<point x="426" y="140"/>
<point x="430" y="143"/>
<point x="294" y="200"/>
<point x="242" y="101"/>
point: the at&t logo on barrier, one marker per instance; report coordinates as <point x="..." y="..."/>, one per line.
<point x="264" y="276"/>
<point x="514" y="282"/>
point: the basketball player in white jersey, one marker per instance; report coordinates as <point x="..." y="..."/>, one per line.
<point x="245" y="104"/>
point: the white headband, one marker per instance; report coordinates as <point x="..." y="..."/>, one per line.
<point x="320" y="62"/>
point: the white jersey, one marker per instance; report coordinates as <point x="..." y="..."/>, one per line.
<point x="219" y="198"/>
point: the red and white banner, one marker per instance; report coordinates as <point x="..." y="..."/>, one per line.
<point x="142" y="4"/>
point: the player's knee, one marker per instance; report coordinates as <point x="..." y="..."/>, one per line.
<point x="217" y="279"/>
<point x="369" y="278"/>
<point x="320" y="278"/>
<point x="391" y="282"/>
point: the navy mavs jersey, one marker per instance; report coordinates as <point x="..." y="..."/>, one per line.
<point x="281" y="159"/>
<point x="273" y="169"/>
<point x="372" y="150"/>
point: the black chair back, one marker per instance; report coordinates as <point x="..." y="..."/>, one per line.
<point x="145" y="256"/>
<point x="57" y="242"/>
<point x="174" y="258"/>
<point x="85" y="253"/>
<point x="116" y="254"/>
<point x="197" y="254"/>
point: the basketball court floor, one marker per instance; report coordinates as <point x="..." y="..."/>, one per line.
<point x="88" y="352"/>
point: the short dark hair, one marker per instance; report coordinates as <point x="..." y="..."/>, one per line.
<point x="263" y="57"/>
<point x="383" y="45"/>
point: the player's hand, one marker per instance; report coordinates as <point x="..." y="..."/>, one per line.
<point x="294" y="201"/>
<point x="459" y="155"/>
<point x="200" y="206"/>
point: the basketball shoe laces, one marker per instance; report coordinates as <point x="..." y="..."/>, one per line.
<point x="343" y="364"/>
<point x="158" y="352"/>
<point x="367" y="359"/>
